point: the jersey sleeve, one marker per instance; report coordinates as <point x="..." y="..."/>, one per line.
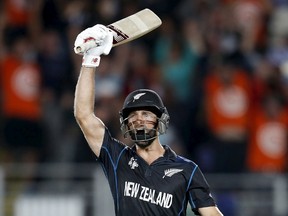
<point x="110" y="151"/>
<point x="199" y="192"/>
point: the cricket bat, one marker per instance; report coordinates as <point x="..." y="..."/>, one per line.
<point x="128" y="28"/>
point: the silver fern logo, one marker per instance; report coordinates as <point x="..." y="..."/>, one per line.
<point x="136" y="97"/>
<point x="171" y="172"/>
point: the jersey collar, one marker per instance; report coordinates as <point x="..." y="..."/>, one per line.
<point x="168" y="155"/>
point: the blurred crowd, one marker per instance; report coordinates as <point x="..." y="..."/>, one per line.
<point x="221" y="67"/>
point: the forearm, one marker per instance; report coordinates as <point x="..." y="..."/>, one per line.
<point x="210" y="211"/>
<point x="85" y="93"/>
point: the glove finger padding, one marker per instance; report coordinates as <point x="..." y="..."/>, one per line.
<point x="108" y="42"/>
<point x="91" y="37"/>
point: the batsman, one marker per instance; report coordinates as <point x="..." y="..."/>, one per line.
<point x="148" y="178"/>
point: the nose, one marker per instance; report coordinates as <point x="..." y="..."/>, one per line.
<point x="139" y="117"/>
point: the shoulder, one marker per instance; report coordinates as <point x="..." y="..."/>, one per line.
<point x="187" y="164"/>
<point x="186" y="161"/>
<point x="111" y="143"/>
<point x="180" y="160"/>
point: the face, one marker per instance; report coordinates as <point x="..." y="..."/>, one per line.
<point x="142" y="127"/>
<point x="141" y="119"/>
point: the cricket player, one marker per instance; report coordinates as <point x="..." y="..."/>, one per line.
<point x="148" y="178"/>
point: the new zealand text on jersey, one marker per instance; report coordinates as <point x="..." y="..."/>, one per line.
<point x="146" y="194"/>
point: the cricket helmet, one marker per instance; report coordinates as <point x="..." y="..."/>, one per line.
<point x="144" y="99"/>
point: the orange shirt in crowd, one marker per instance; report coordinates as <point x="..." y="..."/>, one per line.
<point x="269" y="144"/>
<point x="17" y="12"/>
<point x="20" y="89"/>
<point x="227" y="105"/>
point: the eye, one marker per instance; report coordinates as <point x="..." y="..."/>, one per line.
<point x="131" y="117"/>
<point x="149" y="116"/>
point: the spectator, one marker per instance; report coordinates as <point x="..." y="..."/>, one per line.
<point x="177" y="61"/>
<point x="227" y="98"/>
<point x="21" y="107"/>
<point x="267" y="150"/>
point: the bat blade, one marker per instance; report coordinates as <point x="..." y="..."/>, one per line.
<point x="134" y="26"/>
<point x="128" y="28"/>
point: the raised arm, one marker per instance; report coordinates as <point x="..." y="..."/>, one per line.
<point x="91" y="126"/>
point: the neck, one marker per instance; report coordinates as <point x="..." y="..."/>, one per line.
<point x="151" y="152"/>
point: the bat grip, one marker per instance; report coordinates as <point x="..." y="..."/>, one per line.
<point x="85" y="46"/>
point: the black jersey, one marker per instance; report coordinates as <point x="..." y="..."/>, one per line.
<point x="162" y="188"/>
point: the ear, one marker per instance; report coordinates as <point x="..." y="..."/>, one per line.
<point x="163" y="123"/>
<point x="123" y="127"/>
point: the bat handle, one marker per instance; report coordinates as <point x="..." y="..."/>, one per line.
<point x="85" y="46"/>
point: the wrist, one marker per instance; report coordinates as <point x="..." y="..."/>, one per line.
<point x="90" y="61"/>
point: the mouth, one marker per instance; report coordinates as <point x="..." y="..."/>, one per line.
<point x="138" y="127"/>
<point x="139" y="131"/>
